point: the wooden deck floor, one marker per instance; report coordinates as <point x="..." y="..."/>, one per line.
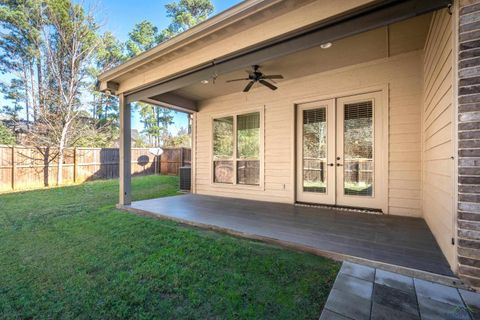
<point x="401" y="241"/>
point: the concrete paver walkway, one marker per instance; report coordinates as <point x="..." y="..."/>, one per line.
<point x="361" y="292"/>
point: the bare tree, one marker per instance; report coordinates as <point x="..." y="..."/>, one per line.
<point x="69" y="42"/>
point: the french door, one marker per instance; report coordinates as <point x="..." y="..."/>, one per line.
<point x="339" y="161"/>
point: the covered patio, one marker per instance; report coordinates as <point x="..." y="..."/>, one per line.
<point x="359" y="110"/>
<point x="380" y="240"/>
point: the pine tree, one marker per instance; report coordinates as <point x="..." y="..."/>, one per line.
<point x="184" y="14"/>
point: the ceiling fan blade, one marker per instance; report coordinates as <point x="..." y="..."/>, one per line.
<point x="243" y="79"/>
<point x="267" y="84"/>
<point x="249" y="85"/>
<point x="273" y="76"/>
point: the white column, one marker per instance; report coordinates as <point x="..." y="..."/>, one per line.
<point x="125" y="152"/>
<point x="193" y="156"/>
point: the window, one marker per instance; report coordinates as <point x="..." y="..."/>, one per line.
<point x="237" y="160"/>
<point x="248" y="149"/>
<point x="223" y="149"/>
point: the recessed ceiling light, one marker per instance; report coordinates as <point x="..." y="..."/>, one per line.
<point x="204" y="81"/>
<point x="326" y="45"/>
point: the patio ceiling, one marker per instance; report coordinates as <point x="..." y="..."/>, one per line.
<point x="378" y="31"/>
<point x="405" y="36"/>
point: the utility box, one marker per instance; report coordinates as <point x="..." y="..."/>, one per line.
<point x="185" y="178"/>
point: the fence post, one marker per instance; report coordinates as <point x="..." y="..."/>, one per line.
<point x="14" y="167"/>
<point x="75" y="168"/>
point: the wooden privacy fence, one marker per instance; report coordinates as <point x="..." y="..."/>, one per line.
<point x="30" y="167"/>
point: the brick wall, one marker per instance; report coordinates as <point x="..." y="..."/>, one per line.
<point x="469" y="142"/>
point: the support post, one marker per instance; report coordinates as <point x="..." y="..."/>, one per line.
<point x="125" y="152"/>
<point x="193" y="154"/>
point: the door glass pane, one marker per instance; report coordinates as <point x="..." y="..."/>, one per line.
<point x="315" y="150"/>
<point x="358" y="149"/>
<point x="223" y="150"/>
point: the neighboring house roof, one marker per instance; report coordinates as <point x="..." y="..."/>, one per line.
<point x="20" y="126"/>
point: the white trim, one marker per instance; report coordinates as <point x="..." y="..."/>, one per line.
<point x="193" y="157"/>
<point x="293" y="155"/>
<point x="378" y="196"/>
<point x="328" y="197"/>
<point x="383" y="90"/>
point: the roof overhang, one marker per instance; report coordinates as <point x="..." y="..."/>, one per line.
<point x="367" y="18"/>
<point x="235" y="13"/>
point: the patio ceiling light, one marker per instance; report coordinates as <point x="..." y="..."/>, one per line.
<point x="326" y="45"/>
<point x="204" y="82"/>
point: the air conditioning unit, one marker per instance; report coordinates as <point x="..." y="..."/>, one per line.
<point x="185" y="178"/>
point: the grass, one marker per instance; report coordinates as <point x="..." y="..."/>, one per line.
<point x="68" y="253"/>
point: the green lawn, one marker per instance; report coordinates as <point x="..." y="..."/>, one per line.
<point x="68" y="253"/>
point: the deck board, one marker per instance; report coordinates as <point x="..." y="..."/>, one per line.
<point x="402" y="241"/>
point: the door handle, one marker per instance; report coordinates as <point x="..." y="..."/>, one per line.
<point x="339" y="165"/>
<point x="330" y="164"/>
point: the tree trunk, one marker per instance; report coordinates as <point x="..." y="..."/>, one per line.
<point x="61" y="155"/>
<point x="27" y="99"/>
<point x="40" y="83"/>
<point x="34" y="98"/>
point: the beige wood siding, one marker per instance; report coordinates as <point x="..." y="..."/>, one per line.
<point x="402" y="74"/>
<point x="438" y="129"/>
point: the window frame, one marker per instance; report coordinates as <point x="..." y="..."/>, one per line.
<point x="233" y="148"/>
<point x="235" y="158"/>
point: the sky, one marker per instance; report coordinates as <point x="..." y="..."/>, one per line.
<point x="120" y="16"/>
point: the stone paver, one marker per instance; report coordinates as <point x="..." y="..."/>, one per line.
<point x="472" y="300"/>
<point x="330" y="315"/>
<point x="433" y="310"/>
<point x="361" y="292"/>
<point x="394" y="280"/>
<point x="438" y="292"/>
<point x="358" y="271"/>
<point x="395" y="299"/>
<point x="381" y="312"/>
<point x="348" y="283"/>
<point x="348" y="304"/>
